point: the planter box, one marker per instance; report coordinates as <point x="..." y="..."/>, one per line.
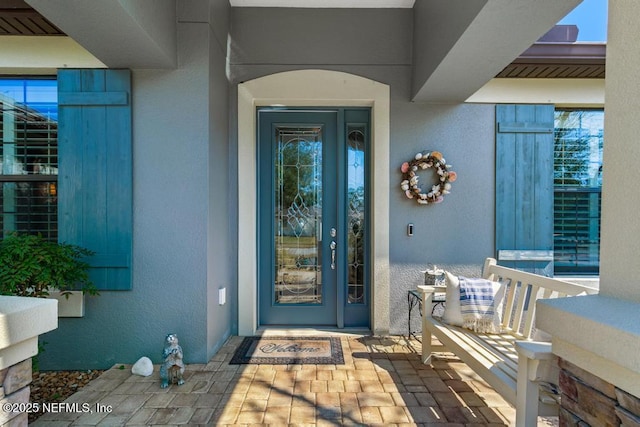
<point x="73" y="306"/>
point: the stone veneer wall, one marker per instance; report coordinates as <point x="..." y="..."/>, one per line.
<point x="15" y="390"/>
<point x="587" y="400"/>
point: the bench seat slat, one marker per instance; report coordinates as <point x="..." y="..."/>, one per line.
<point x="494" y="348"/>
<point x="491" y="351"/>
<point x="480" y="357"/>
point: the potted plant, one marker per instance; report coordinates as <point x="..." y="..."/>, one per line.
<point x="35" y="267"/>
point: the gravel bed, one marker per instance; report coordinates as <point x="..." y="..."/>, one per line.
<point x="57" y="386"/>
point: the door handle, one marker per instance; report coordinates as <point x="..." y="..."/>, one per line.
<point x="333" y="254"/>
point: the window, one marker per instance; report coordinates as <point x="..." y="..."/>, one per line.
<point x="578" y="142"/>
<point x="29" y="157"/>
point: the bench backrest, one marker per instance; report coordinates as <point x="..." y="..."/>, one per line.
<point x="523" y="289"/>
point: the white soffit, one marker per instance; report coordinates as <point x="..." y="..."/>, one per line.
<point x="374" y="4"/>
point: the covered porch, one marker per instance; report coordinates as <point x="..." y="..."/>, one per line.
<point x="383" y="382"/>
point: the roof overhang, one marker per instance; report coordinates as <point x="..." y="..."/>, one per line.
<point x="121" y="34"/>
<point x="559" y="60"/>
<point x="456" y="66"/>
<point x="17" y="18"/>
<point x="458" y="45"/>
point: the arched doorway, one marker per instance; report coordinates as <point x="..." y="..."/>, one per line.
<point x="311" y="88"/>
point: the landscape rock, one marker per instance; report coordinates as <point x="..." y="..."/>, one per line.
<point x="143" y="367"/>
<point x="56" y="386"/>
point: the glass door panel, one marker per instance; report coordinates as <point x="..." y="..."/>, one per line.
<point x="298" y="215"/>
<point x="297" y="209"/>
<point x="355" y="214"/>
<point x="356" y="311"/>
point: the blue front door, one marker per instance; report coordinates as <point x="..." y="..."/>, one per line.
<point x="313" y="256"/>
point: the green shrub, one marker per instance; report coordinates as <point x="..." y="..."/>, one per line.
<point x="29" y="265"/>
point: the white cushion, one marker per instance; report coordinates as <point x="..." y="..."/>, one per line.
<point x="452" y="313"/>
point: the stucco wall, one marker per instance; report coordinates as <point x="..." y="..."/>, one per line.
<point x="181" y="244"/>
<point x="221" y="253"/>
<point x="458" y="233"/>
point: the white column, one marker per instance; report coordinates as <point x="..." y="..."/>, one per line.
<point x="620" y="228"/>
<point x="599" y="333"/>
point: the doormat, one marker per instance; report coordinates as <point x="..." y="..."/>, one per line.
<point x="289" y="351"/>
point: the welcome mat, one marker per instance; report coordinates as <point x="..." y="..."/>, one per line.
<point x="289" y="350"/>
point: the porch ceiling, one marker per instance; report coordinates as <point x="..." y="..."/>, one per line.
<point x="17" y="18"/>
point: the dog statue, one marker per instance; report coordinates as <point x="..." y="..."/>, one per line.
<point x="172" y="366"/>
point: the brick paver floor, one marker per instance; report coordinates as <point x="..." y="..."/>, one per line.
<point x="382" y="382"/>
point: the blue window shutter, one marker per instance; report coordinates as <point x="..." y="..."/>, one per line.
<point x="524" y="187"/>
<point x="95" y="170"/>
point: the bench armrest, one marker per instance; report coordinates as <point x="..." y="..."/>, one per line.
<point x="534" y="350"/>
<point x="424" y="290"/>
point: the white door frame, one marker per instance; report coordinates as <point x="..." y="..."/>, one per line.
<point x="312" y="88"/>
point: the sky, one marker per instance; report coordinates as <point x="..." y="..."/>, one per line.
<point x="591" y="18"/>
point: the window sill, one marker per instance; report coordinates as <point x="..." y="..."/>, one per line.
<point x="589" y="281"/>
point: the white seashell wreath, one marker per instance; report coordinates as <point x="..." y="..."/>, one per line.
<point x="410" y="178"/>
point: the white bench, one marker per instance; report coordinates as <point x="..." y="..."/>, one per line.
<point x="510" y="362"/>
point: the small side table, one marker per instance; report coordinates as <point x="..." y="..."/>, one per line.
<point x="414" y="298"/>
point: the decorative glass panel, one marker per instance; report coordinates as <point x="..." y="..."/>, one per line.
<point x="355" y="214"/>
<point x="298" y="215"/>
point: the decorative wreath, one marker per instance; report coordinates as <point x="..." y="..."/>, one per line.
<point x="426" y="160"/>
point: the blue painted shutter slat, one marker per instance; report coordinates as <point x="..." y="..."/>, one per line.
<point x="524" y="182"/>
<point x="95" y="161"/>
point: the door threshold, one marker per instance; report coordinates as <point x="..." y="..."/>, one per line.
<point x="310" y="331"/>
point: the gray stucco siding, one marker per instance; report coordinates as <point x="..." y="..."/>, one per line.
<point x="182" y="246"/>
